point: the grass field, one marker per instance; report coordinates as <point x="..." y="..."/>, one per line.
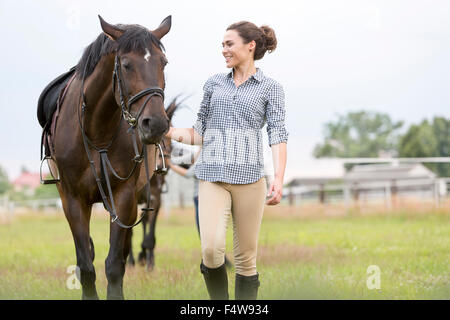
<point x="307" y="252"/>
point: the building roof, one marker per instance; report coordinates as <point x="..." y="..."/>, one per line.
<point x="386" y="172"/>
<point x="314" y="171"/>
<point x="27" y="179"/>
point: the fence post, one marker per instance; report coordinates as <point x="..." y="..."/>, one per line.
<point x="394" y="191"/>
<point x="347" y="196"/>
<point x="291" y="197"/>
<point x="387" y="196"/>
<point x="436" y="193"/>
<point x="355" y="193"/>
<point x="321" y="193"/>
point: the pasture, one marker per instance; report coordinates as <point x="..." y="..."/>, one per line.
<point x="305" y="252"/>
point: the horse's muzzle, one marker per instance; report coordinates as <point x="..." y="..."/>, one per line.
<point x="152" y="129"/>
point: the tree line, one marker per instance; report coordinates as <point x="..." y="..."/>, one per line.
<point x="373" y="134"/>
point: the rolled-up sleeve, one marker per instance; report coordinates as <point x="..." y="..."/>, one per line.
<point x="200" y="124"/>
<point x="275" y="114"/>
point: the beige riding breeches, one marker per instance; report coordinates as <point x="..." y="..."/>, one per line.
<point x="218" y="201"/>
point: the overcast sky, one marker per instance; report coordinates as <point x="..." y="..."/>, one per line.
<point x="332" y="57"/>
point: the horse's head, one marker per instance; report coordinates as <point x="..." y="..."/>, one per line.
<point x="139" y="77"/>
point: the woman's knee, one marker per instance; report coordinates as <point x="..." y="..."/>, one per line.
<point x="245" y="263"/>
<point x="213" y="257"/>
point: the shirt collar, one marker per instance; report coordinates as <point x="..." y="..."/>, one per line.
<point x="258" y="76"/>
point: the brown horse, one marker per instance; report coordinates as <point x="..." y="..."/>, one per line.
<point x="157" y="187"/>
<point x="120" y="76"/>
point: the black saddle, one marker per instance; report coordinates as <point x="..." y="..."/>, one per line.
<point x="49" y="97"/>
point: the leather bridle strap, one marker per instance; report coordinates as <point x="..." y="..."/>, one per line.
<point x="126" y="107"/>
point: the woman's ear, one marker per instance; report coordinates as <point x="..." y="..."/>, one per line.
<point x="252" y="45"/>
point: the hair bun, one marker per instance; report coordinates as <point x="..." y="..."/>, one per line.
<point x="269" y="35"/>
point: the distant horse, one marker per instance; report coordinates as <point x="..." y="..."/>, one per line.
<point x="146" y="255"/>
<point x="103" y="144"/>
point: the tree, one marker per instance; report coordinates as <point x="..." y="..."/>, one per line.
<point x="428" y="140"/>
<point x="359" y="134"/>
<point x="4" y="182"/>
<point x="46" y="192"/>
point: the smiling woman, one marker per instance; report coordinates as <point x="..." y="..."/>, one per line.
<point x="235" y="107"/>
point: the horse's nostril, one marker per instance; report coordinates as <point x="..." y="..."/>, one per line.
<point x="146" y="124"/>
<point x="153" y="128"/>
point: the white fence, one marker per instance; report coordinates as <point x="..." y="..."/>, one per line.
<point x="435" y="189"/>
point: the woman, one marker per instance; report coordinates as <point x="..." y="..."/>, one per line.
<point x="230" y="170"/>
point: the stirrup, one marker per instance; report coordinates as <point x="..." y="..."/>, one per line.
<point x="50" y="181"/>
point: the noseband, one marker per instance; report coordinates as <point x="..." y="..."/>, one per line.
<point x="126" y="111"/>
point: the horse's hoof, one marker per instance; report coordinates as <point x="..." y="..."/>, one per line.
<point x="150" y="265"/>
<point x="141" y="258"/>
<point x="85" y="297"/>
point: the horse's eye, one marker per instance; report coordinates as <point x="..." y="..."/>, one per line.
<point x="127" y="66"/>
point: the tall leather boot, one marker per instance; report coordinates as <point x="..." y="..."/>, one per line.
<point x="216" y="281"/>
<point x="246" y="287"/>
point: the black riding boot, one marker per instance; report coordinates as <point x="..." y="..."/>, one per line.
<point x="216" y="281"/>
<point x="246" y="287"/>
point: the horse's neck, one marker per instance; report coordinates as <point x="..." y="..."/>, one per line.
<point x="102" y="113"/>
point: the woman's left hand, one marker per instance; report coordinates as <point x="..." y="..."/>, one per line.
<point x="276" y="188"/>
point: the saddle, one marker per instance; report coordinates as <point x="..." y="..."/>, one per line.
<point x="48" y="106"/>
<point x="49" y="103"/>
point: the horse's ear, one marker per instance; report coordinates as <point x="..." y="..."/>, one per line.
<point x="163" y="28"/>
<point x="110" y="31"/>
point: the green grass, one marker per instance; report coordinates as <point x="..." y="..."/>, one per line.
<point x="298" y="257"/>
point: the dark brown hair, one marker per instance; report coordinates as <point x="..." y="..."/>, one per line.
<point x="264" y="37"/>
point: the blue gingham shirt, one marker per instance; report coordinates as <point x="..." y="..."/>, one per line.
<point x="230" y="120"/>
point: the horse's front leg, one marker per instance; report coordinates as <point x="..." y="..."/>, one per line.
<point x="150" y="239"/>
<point x="78" y="215"/>
<point x="142" y="254"/>
<point x="118" y="236"/>
<point x="129" y="244"/>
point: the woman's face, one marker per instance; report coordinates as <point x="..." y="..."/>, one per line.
<point x="235" y="51"/>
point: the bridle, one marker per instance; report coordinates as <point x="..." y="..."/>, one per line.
<point x="126" y="111"/>
<point x="105" y="163"/>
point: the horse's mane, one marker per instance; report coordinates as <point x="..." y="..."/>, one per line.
<point x="170" y="110"/>
<point x="135" y="38"/>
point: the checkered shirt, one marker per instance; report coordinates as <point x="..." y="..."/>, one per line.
<point x="230" y="120"/>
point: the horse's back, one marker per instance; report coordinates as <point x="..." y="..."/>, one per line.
<point x="48" y="99"/>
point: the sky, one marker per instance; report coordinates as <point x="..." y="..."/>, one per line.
<point x="332" y="57"/>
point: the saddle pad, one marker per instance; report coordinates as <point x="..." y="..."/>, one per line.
<point x="48" y="99"/>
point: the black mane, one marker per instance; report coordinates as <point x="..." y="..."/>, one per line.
<point x="135" y="38"/>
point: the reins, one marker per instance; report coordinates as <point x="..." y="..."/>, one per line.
<point x="105" y="164"/>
